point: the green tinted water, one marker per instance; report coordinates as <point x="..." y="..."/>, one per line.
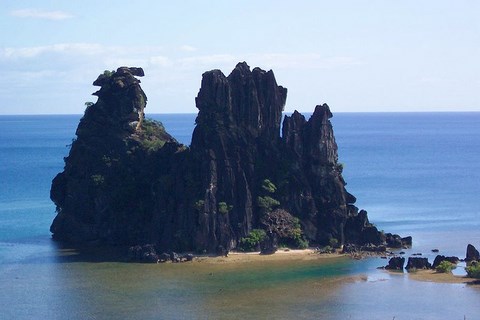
<point x="49" y="287"/>
<point x="54" y="284"/>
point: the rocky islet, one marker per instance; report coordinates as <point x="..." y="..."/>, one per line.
<point x="127" y="182"/>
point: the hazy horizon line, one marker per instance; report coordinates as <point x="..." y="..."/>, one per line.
<point x="284" y="112"/>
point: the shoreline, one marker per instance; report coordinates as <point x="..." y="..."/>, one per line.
<point x="283" y="255"/>
<point x="280" y="255"/>
<point x="291" y="255"/>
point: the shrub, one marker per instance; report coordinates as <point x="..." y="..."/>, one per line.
<point x="268" y="186"/>
<point x="152" y="135"/>
<point x="108" y="73"/>
<point x="302" y="243"/>
<point x="152" y="127"/>
<point x="267" y="203"/>
<point x="473" y="271"/>
<point x="224" y="208"/>
<point x="253" y="240"/>
<point x="297" y="235"/>
<point x="153" y="145"/>
<point x="445" y="267"/>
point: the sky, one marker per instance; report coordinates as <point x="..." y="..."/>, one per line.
<point x="354" y="55"/>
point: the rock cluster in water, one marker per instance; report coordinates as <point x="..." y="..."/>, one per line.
<point x="127" y="182"/>
<point x="420" y="263"/>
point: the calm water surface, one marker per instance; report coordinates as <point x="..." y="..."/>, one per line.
<point x="416" y="174"/>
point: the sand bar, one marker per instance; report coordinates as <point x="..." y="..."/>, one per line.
<point x="434" y="276"/>
<point x="280" y="255"/>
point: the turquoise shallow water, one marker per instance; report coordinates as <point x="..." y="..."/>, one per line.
<point x="416" y="174"/>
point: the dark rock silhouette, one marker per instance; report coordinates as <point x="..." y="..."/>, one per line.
<point x="472" y="254"/>
<point x="105" y="195"/>
<point x="440" y="258"/>
<point x="396" y="263"/>
<point x="395" y="241"/>
<point x="128" y="182"/>
<point x="417" y="263"/>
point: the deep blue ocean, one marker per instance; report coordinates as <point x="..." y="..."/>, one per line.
<point x="416" y="174"/>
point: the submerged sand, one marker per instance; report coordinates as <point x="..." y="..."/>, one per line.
<point x="438" y="277"/>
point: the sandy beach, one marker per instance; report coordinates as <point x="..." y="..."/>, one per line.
<point x="280" y="255"/>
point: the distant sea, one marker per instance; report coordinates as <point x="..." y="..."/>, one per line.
<point x="416" y="174"/>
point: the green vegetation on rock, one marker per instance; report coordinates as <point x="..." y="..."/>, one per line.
<point x="473" y="270"/>
<point x="268" y="186"/>
<point x="253" y="240"/>
<point x="224" y="208"/>
<point x="267" y="203"/>
<point x="108" y="73"/>
<point x="445" y="267"/>
<point x="297" y="235"/>
<point x="153" y="135"/>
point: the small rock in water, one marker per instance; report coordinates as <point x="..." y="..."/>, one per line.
<point x="395" y="263"/>
<point x="417" y="264"/>
<point x="435" y="250"/>
<point x="472" y="254"/>
<point x="440" y="258"/>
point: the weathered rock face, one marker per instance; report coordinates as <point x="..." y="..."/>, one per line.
<point x="395" y="241"/>
<point x="440" y="258"/>
<point x="128" y="182"/>
<point x="472" y="253"/>
<point x="396" y="263"/>
<point x="417" y="263"/>
<point x="315" y="188"/>
<point x="237" y="132"/>
<point x="104" y="194"/>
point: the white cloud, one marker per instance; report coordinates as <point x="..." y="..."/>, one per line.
<point x="67" y="48"/>
<point x="172" y="77"/>
<point x="156" y="57"/>
<point x="41" y="14"/>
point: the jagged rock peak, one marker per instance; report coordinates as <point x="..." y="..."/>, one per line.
<point x="104" y="194"/>
<point x="314" y="137"/>
<point x="121" y="71"/>
<point x="250" y="99"/>
<point x="121" y="100"/>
